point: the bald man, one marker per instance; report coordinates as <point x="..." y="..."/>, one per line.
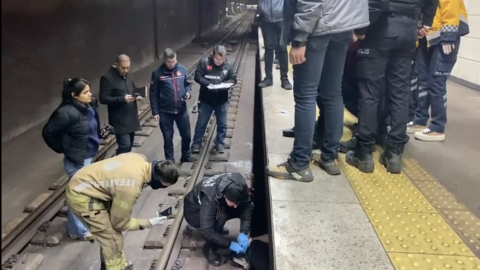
<point x="117" y="92"/>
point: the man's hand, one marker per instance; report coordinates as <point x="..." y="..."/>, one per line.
<point x="139" y="98"/>
<point x="297" y="55"/>
<point x="129" y="98"/>
<point x="359" y="37"/>
<point x="243" y="241"/>
<point x="157" y="117"/>
<point x="423" y="31"/>
<point x="448" y="48"/>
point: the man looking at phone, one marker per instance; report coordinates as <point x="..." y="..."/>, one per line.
<point x="210" y="72"/>
<point x="103" y="195"/>
<point x="211" y="204"/>
<point x="170" y="87"/>
<point x="117" y="92"/>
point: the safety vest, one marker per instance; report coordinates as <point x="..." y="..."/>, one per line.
<point x="450" y="22"/>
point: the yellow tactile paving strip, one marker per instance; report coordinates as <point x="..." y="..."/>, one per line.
<point x="419" y="222"/>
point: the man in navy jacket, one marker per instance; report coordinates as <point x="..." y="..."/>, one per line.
<point x="169" y="89"/>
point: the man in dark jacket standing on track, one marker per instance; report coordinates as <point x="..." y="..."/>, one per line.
<point x="211" y="204"/>
<point x="170" y="87"/>
<point x="117" y="92"/>
<point x="212" y="71"/>
<point x="384" y="64"/>
<point x="271" y="16"/>
<point x="320" y="32"/>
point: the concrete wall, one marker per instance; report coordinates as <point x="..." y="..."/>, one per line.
<point x="45" y="41"/>
<point x="467" y="68"/>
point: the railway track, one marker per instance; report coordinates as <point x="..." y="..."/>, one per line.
<point x="166" y="238"/>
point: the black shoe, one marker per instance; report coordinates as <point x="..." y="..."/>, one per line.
<point x="225" y="231"/>
<point x="220" y="148"/>
<point x="266" y="82"/>
<point x="392" y="160"/>
<point x="277" y="66"/>
<point x="211" y="254"/>
<point x="348" y="145"/>
<point x="188" y="159"/>
<point x="286" y="84"/>
<point x="195" y="109"/>
<point x="364" y="162"/>
<point x="289" y="133"/>
<point x="196" y="149"/>
<point x="330" y="166"/>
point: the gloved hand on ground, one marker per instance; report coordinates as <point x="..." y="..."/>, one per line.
<point x="157" y="221"/>
<point x="243" y="241"/>
<point x="237" y="248"/>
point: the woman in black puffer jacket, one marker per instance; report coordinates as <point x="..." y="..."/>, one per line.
<point x="77" y="123"/>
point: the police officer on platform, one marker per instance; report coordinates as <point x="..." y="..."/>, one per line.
<point x="385" y="58"/>
<point x="211" y="204"/>
<point x="169" y="90"/>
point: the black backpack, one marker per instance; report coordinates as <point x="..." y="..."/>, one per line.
<point x="54" y="141"/>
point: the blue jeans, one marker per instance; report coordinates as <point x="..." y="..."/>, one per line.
<point x="204" y="113"/>
<point x="320" y="75"/>
<point x="433" y="68"/>
<point x="76" y="227"/>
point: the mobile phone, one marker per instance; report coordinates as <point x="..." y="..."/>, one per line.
<point x="165" y="213"/>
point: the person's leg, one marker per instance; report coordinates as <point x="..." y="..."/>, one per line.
<point x="282" y="57"/>
<point x="398" y="85"/>
<point x="373" y="56"/>
<point x="109" y="239"/>
<point x="204" y="113"/>
<point x="269" y="39"/>
<point x="166" y="126"/>
<point x="124" y="145"/>
<point x="306" y="78"/>
<point x="221" y="112"/>
<point x="330" y="95"/>
<point x="413" y="99"/>
<point x="132" y="139"/>
<point x="441" y="66"/>
<point x="183" y="123"/>
<point x="422" y="66"/>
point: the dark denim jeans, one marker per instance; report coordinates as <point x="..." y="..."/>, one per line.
<point x="205" y="111"/>
<point x="166" y="126"/>
<point x="125" y="142"/>
<point x="320" y="75"/>
<point x="271" y="35"/>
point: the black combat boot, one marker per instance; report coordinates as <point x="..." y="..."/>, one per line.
<point x="361" y="159"/>
<point x="348" y="145"/>
<point x="391" y="158"/>
<point x="211" y="254"/>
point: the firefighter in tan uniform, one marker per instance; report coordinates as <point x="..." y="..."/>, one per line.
<point x="104" y="193"/>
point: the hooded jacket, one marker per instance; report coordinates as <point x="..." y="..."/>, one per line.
<point x="270" y="10"/>
<point x="167" y="89"/>
<point x="118" y="180"/>
<point x="208" y="196"/>
<point x="450" y="22"/>
<point x="208" y="73"/>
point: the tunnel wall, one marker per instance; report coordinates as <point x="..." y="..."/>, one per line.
<point x="44" y="42"/>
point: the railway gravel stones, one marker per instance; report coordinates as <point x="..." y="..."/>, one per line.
<point x="145" y="131"/>
<point x="55" y="232"/>
<point x="29" y="261"/>
<point x="39" y="200"/>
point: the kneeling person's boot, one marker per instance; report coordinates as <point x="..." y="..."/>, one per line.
<point x="211" y="254"/>
<point x="361" y="159"/>
<point x="391" y="158"/>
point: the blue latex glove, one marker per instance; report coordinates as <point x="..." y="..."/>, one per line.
<point x="243" y="241"/>
<point x="235" y="247"/>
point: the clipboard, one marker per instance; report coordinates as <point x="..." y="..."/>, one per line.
<point x="140" y="92"/>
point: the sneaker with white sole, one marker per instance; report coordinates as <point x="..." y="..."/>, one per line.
<point x="429" y="136"/>
<point x="412" y="128"/>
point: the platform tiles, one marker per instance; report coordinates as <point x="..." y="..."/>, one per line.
<point x="362" y="221"/>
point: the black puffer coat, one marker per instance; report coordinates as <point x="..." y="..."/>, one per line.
<point x="70" y="123"/>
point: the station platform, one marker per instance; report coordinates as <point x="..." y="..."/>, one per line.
<point x="357" y="221"/>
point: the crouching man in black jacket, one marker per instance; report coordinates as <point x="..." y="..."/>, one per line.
<point x="208" y="207"/>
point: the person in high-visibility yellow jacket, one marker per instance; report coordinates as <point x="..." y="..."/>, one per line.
<point x="436" y="58"/>
<point x="103" y="195"/>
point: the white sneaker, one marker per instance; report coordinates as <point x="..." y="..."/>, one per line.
<point x="429" y="136"/>
<point x="411" y="128"/>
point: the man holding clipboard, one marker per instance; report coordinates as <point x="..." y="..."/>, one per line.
<point x="215" y="76"/>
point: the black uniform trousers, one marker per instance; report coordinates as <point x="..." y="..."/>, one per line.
<point x="385" y="58"/>
<point x="166" y="126"/>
